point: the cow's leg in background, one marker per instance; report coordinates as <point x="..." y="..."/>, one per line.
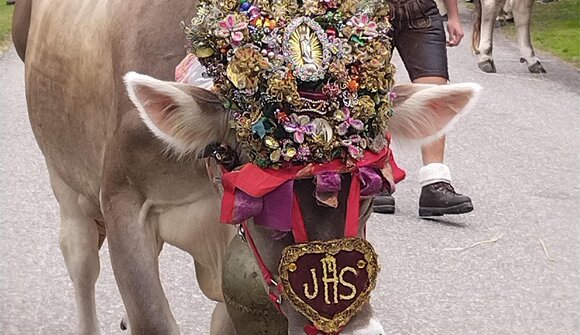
<point x="489" y="12"/>
<point x="79" y="243"/>
<point x="522" y="11"/>
<point x="506" y="14"/>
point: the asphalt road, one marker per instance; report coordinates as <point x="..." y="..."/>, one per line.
<point x="515" y="154"/>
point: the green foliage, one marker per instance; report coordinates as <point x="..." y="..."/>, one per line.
<point x="556" y="29"/>
<point x="5" y="23"/>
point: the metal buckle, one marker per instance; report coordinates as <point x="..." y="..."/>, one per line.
<point x="242" y="233"/>
<point x="275" y="291"/>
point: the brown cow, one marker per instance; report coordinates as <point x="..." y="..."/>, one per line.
<point x="113" y="175"/>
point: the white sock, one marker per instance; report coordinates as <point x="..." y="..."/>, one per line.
<point x="434" y="173"/>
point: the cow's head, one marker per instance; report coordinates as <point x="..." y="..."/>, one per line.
<point x="189" y="118"/>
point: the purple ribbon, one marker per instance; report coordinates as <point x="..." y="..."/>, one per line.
<point x="274" y="210"/>
<point x="372" y="182"/>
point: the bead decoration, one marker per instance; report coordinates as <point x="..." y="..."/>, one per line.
<point x="304" y="81"/>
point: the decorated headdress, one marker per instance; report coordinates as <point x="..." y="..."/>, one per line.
<point x="305" y="81"/>
<point x="307" y="84"/>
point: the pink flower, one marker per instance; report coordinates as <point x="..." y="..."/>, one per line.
<point x="354" y="145"/>
<point x="364" y="27"/>
<point x="232" y="29"/>
<point x="331" y="3"/>
<point x="331" y="90"/>
<point x="300" y="126"/>
<point x="348" y="122"/>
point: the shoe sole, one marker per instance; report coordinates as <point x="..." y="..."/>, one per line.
<point x="384" y="209"/>
<point x="463" y="208"/>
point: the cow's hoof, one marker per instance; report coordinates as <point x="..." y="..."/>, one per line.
<point x="487" y="66"/>
<point x="123" y="324"/>
<point x="536" y="68"/>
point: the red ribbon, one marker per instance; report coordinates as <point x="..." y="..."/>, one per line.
<point x="257" y="182"/>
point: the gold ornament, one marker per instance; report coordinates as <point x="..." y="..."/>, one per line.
<point x="326" y="292"/>
<point x="284" y="88"/>
<point x="365" y="108"/>
<point x="323" y="132"/>
<point x="306" y="47"/>
<point x="244" y="68"/>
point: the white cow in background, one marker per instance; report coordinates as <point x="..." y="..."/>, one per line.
<point x="506" y="15"/>
<point x="486" y="13"/>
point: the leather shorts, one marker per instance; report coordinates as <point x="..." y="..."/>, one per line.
<point x="419" y="37"/>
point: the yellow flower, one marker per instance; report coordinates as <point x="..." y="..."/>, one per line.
<point x="365" y="108"/>
<point x="338" y="70"/>
<point x="348" y="7"/>
<point x="284" y="9"/>
<point x="245" y="67"/>
<point x="313" y="7"/>
<point x="284" y="88"/>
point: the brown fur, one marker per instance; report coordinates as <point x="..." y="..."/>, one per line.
<point x="97" y="148"/>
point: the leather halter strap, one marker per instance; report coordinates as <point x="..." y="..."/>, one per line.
<point x="274" y="288"/>
<point x="300" y="233"/>
<point x="299" y="230"/>
<point x="351" y="226"/>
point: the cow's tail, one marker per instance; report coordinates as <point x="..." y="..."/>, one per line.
<point x="20" y="26"/>
<point x="476" y="27"/>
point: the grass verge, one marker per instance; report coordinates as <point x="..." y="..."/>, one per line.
<point x="556" y="29"/>
<point x="5" y="23"/>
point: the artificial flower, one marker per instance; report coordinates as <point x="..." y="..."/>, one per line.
<point x="300" y="126"/>
<point x="232" y="27"/>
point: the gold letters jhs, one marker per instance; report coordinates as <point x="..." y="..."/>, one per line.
<point x="330" y="279"/>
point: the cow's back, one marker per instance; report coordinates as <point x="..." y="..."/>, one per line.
<point x="77" y="53"/>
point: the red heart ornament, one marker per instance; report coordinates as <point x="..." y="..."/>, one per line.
<point x="329" y="282"/>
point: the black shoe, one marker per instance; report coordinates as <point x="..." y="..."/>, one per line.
<point x="384" y="203"/>
<point x="440" y="199"/>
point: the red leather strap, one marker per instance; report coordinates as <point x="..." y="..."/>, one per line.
<point x="353" y="207"/>
<point x="275" y="289"/>
<point x="298" y="226"/>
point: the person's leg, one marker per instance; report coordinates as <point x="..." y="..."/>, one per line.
<point x="438" y="197"/>
<point x="422" y="44"/>
<point x="384" y="203"/>
<point x="433" y="152"/>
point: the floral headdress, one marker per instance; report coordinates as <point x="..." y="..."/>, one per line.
<point x="305" y="81"/>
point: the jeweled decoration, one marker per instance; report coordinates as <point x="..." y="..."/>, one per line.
<point x="304" y="81"/>
<point x="307" y="49"/>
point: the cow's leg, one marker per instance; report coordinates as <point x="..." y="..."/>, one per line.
<point x="522" y="17"/>
<point x="506" y="13"/>
<point x="124" y="324"/>
<point x="221" y="323"/>
<point x="210" y="284"/>
<point x="134" y="245"/>
<point x="79" y="243"/>
<point x="489" y="11"/>
<point x="194" y="228"/>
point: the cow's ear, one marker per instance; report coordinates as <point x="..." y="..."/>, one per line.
<point x="185" y="117"/>
<point x="422" y="113"/>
